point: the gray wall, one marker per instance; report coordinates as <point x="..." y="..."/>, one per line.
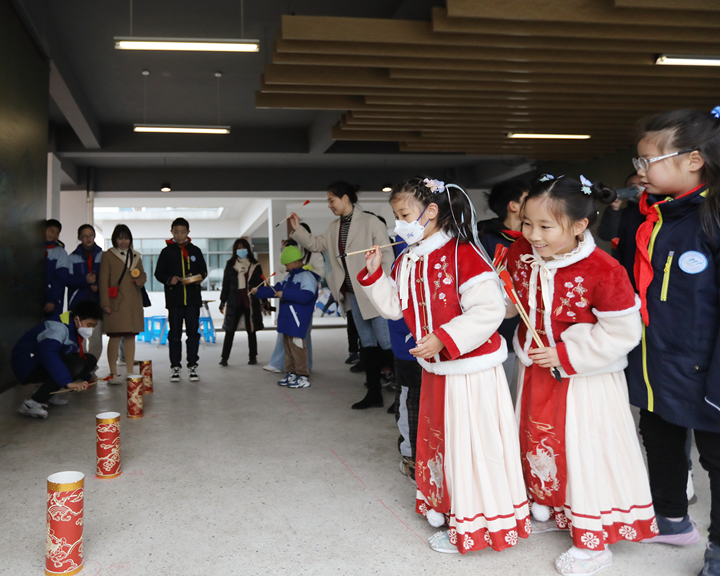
<point x="23" y="188"/>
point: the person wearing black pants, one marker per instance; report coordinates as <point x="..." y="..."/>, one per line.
<point x="191" y="316"/>
<point x="78" y="367"/>
<point x="667" y="466"/>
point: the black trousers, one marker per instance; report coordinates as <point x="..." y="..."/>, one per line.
<point x="191" y="316"/>
<point x="408" y="378"/>
<point x="76" y="365"/>
<point x="667" y="465"/>
<point x="353" y="338"/>
<point x="230" y="334"/>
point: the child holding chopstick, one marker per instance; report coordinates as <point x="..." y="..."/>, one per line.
<point x="581" y="457"/>
<point x="468" y="469"/>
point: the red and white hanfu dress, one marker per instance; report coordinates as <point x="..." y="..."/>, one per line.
<point x="580" y="451"/>
<point x="468" y="459"/>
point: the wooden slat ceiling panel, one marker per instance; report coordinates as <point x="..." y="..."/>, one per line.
<point x="479" y="70"/>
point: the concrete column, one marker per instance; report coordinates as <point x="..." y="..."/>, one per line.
<point x="54" y="172"/>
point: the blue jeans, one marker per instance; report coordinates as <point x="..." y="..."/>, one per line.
<point x="372" y="332"/>
<point x="277" y="360"/>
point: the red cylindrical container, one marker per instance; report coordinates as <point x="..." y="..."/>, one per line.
<point x="108" y="445"/>
<point x="146" y="371"/>
<point x="64" y="538"/>
<point x="134" y="396"/>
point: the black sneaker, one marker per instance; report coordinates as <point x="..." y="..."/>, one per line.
<point x="252" y="361"/>
<point x="193" y="374"/>
<point x="223" y="362"/>
<point x="175" y="376"/>
<point x="354" y="358"/>
<point x="358" y="368"/>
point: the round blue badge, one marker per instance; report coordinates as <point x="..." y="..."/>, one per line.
<point x="192" y="258"/>
<point x="693" y="262"/>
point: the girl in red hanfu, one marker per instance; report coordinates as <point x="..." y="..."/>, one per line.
<point x="468" y="469"/>
<point x="580" y="453"/>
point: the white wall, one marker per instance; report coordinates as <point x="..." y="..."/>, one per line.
<point x="73" y="214"/>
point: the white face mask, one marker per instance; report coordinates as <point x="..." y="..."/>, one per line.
<point x="85" y="331"/>
<point x="411" y="232"/>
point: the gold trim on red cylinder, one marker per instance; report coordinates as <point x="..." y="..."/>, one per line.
<point x="134" y="396"/>
<point x="108" y="445"/>
<point x="146" y="371"/>
<point x="64" y="534"/>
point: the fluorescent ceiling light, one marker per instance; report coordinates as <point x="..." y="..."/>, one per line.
<point x="549" y="136"/>
<point x="668" y="60"/>
<point x="178" y="129"/>
<point x="192" y="44"/>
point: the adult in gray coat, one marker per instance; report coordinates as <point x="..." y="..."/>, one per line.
<point x="353" y="230"/>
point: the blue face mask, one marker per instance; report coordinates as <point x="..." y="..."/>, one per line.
<point x="241" y="253"/>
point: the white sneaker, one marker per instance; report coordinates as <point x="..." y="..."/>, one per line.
<point x="300" y="382"/>
<point x="32" y="409"/>
<point x="269" y="368"/>
<point x="193" y="374"/>
<point x="568" y="565"/>
<point x="175" y="376"/>
<point x="116" y="380"/>
<point x="57" y="400"/>
<point x="440" y="542"/>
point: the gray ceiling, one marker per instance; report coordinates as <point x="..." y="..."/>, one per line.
<point x="97" y="94"/>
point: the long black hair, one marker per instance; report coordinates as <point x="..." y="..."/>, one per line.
<point x="456" y="216"/>
<point x="241" y="243"/>
<point x="692" y="130"/>
<point x="340" y="188"/>
<point x="570" y="202"/>
<point x="121" y="230"/>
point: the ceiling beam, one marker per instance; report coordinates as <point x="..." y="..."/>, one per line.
<point x="320" y="132"/>
<point x="709" y="5"/>
<point x="588" y="12"/>
<point x="79" y="116"/>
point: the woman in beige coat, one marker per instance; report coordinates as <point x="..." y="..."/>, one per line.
<point x="354" y="230"/>
<point x="121" y="277"/>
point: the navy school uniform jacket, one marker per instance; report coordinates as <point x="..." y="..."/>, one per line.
<point x="44" y="345"/>
<point x="172" y="263"/>
<point x="78" y="287"/>
<point x="300" y="291"/>
<point x="401" y="338"/>
<point x="675" y="371"/>
<point x="630" y="220"/>
<point x="57" y="270"/>
<point x="491" y="233"/>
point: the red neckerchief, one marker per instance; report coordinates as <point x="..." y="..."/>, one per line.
<point x="49" y="246"/>
<point x="514" y="234"/>
<point x="182" y="247"/>
<point x="643" y="270"/>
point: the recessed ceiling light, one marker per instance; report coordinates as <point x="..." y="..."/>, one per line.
<point x="549" y="136"/>
<point x="179" y="129"/>
<point x="387" y="187"/>
<point x="187" y="44"/>
<point x="165" y="187"/>
<point x="669" y="60"/>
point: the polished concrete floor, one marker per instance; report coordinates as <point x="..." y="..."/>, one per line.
<point x="236" y="475"/>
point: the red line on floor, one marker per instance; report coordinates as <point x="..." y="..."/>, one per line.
<point x="293" y="401"/>
<point x="346" y="466"/>
<point x="401" y="520"/>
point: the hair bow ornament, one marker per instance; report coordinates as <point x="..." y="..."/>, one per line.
<point x="435" y="186"/>
<point x="547" y="177"/>
<point x="716" y="112"/>
<point x="586" y="185"/>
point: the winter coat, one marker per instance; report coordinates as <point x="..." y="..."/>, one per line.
<point x="674" y="371"/>
<point x="171" y="263"/>
<point x="78" y="287"/>
<point x="300" y="291"/>
<point x="365" y="231"/>
<point x="45" y="344"/>
<point x="229" y="301"/>
<point x="127" y="309"/>
<point x="57" y="270"/>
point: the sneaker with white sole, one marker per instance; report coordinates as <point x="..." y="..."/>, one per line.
<point x="270" y="368"/>
<point x="194" y="377"/>
<point x="300" y="382"/>
<point x="440" y="542"/>
<point x="115" y="380"/>
<point x="289" y="379"/>
<point x="568" y="565"/>
<point x="681" y="533"/>
<point x="175" y="375"/>
<point x="57" y="400"/>
<point x="32" y="409"/>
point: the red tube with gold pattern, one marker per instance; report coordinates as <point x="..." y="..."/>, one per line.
<point x="134" y="396"/>
<point x="146" y="371"/>
<point x="64" y="538"/>
<point x="108" y="445"/>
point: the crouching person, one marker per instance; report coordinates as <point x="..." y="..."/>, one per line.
<point x="51" y="354"/>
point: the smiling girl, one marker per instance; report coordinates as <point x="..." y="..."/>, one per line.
<point x="468" y="468"/>
<point x="581" y="457"/>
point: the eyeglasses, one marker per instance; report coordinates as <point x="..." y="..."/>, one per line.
<point x="644" y="163"/>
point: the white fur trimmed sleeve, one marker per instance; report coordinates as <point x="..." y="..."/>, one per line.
<point x="601" y="347"/>
<point x="484" y="312"/>
<point x="382" y="292"/>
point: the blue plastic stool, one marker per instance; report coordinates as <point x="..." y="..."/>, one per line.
<point x="207" y="329"/>
<point x="146" y="336"/>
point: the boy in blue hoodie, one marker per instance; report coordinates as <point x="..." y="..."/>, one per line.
<point x="57" y="268"/>
<point x="297" y="293"/>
